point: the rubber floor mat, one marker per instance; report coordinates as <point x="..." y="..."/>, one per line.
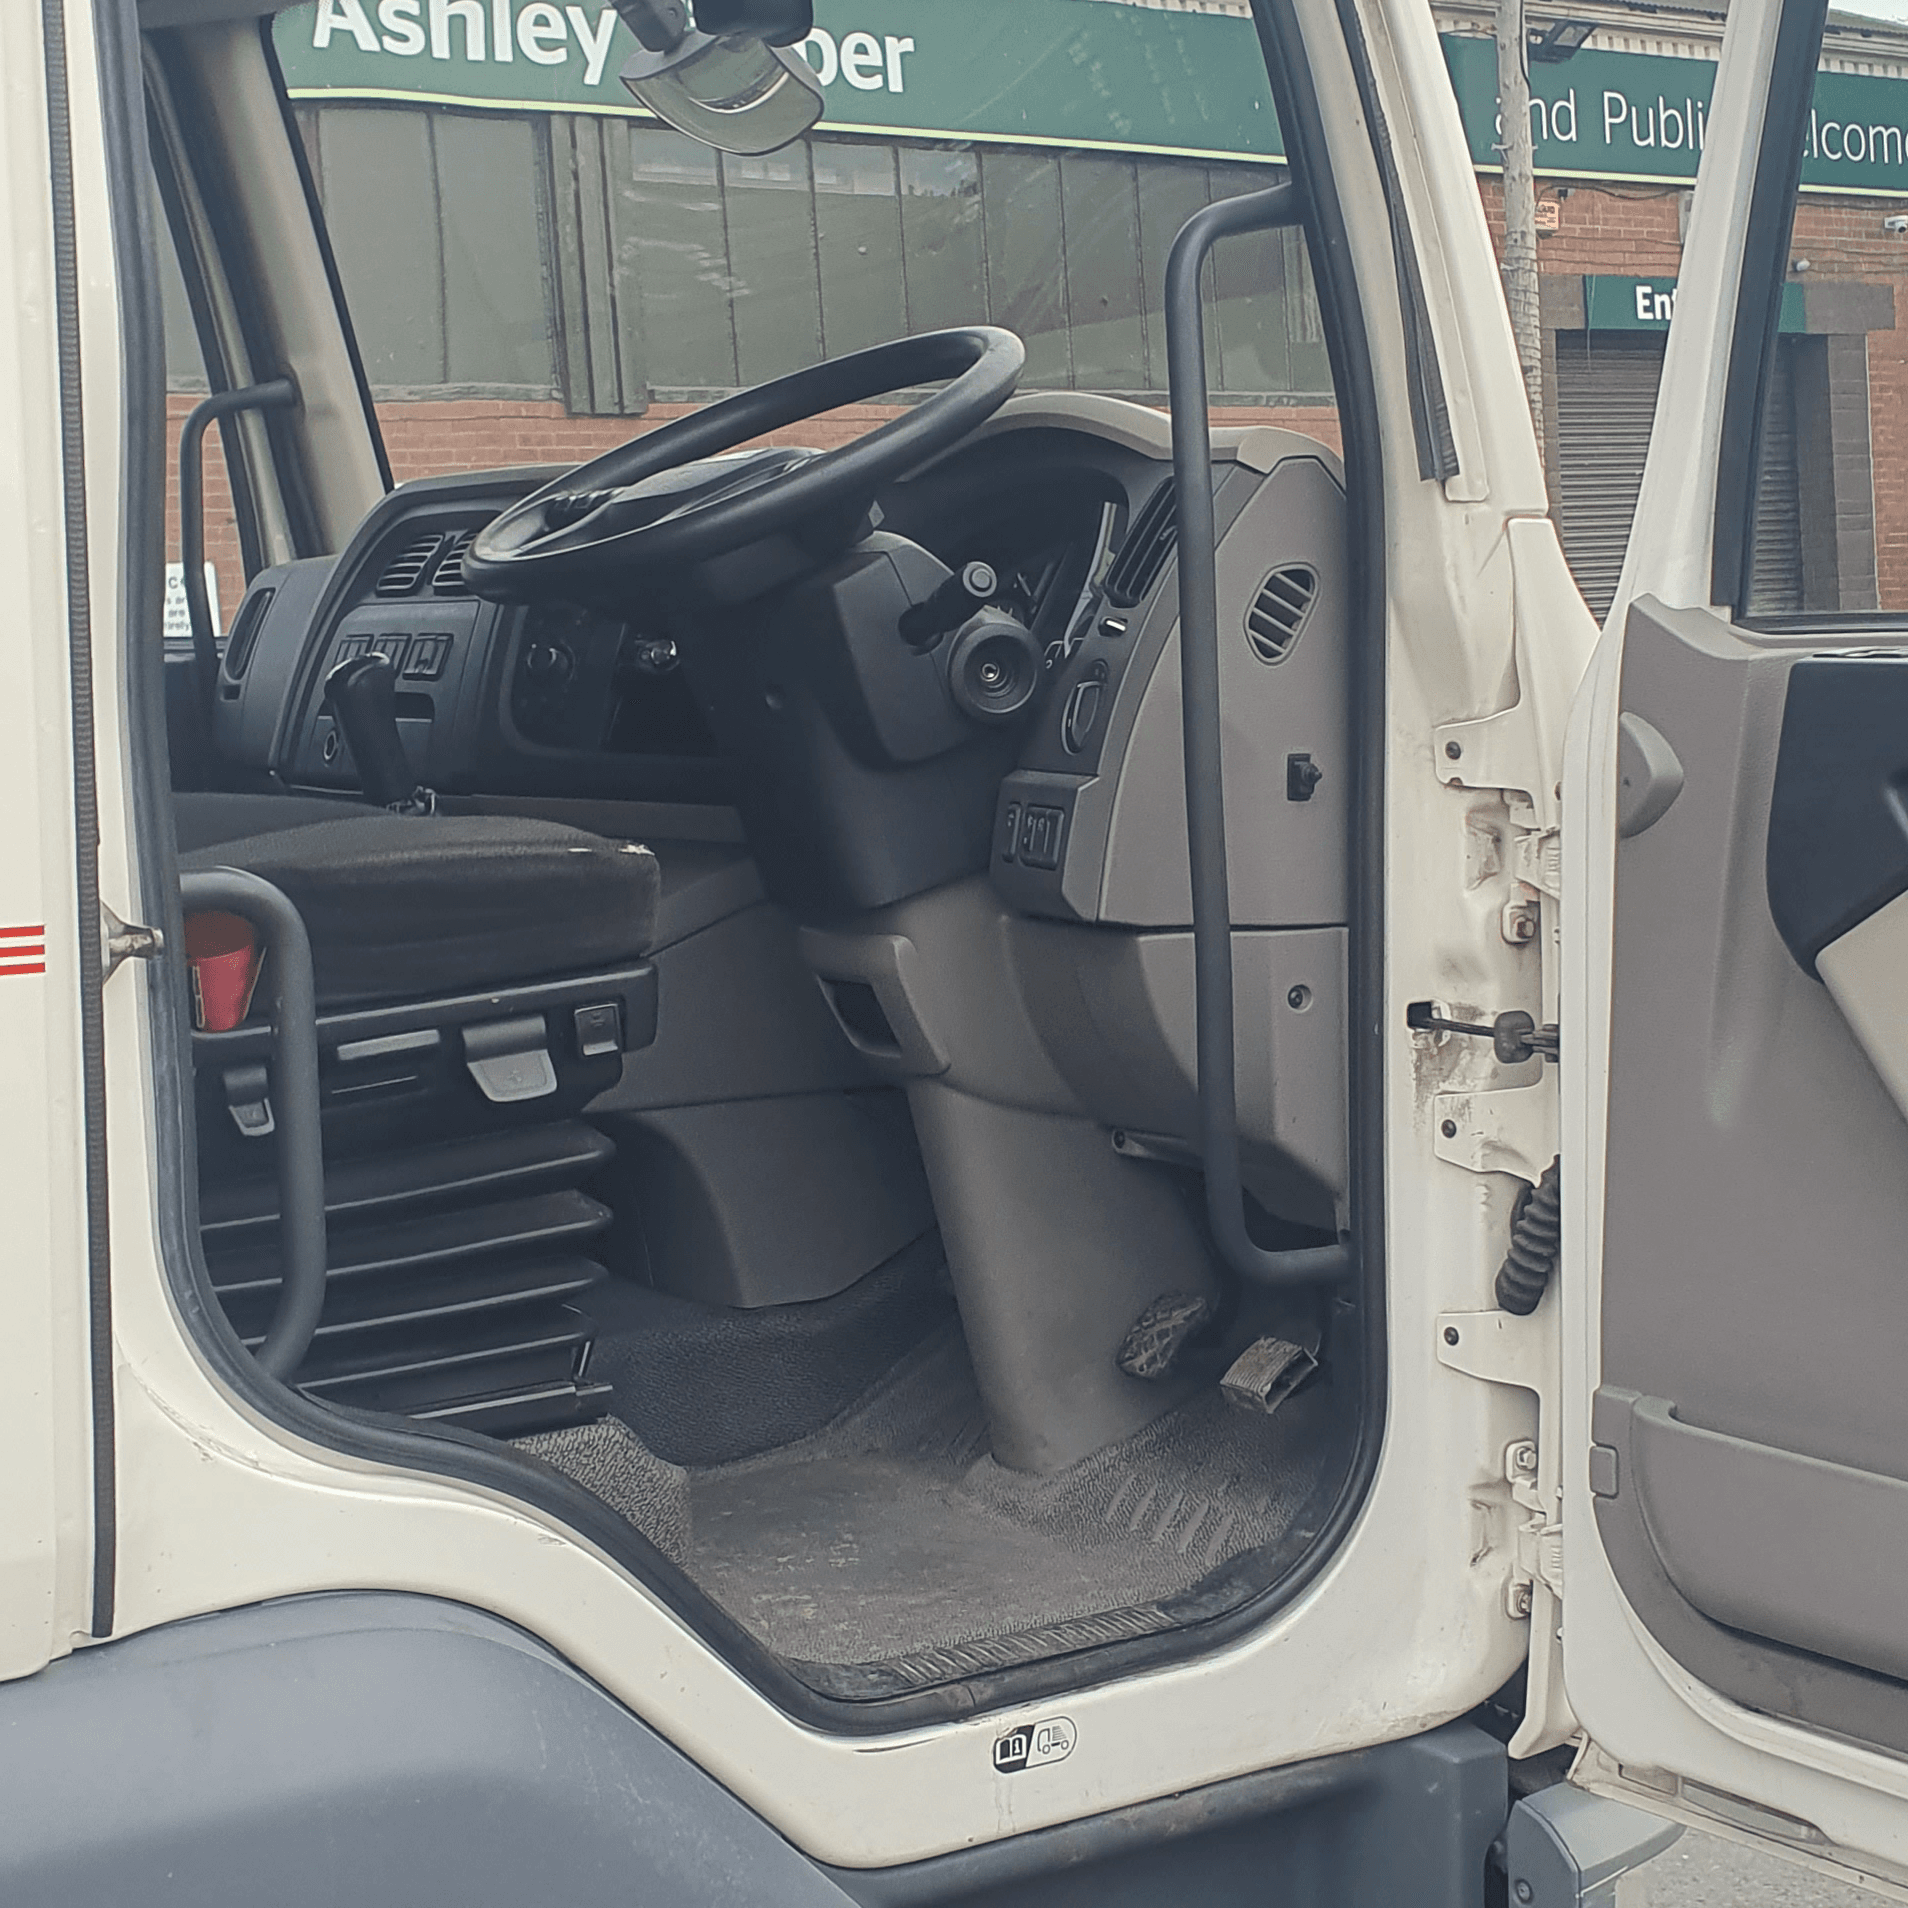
<point x="893" y="1538"/>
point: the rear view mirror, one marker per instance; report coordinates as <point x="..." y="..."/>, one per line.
<point x="726" y="78"/>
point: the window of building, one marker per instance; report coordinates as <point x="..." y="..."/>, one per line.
<point x="744" y="269"/>
<point x="440" y="225"/>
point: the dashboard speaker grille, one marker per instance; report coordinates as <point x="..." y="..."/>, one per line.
<point x="405" y="570"/>
<point x="1278" y="613"/>
<point x="1149" y="542"/>
<point x="448" y="578"/>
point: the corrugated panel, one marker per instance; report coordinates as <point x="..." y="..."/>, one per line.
<point x="1606" y="399"/>
<point x="1775" y="585"/>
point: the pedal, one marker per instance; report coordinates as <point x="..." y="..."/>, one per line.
<point x="1152" y="1345"/>
<point x="1265" y="1374"/>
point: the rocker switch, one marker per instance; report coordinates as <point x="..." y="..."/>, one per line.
<point x="1040" y="832"/>
<point x="599" y="1030"/>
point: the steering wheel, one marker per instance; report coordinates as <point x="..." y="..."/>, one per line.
<point x="672" y="499"/>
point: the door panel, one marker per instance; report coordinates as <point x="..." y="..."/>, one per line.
<point x="1751" y="1469"/>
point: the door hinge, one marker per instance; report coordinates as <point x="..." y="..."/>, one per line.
<point x="125" y="941"/>
<point x="1539" y="1538"/>
<point x="1509" y="1348"/>
<point x="1537" y="858"/>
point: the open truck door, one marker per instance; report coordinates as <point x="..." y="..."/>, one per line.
<point x="1735" y="1022"/>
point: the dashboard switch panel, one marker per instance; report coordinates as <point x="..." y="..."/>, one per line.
<point x="429" y="653"/>
<point x="1041" y="833"/>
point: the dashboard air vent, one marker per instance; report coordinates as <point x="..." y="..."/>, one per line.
<point x="448" y="578"/>
<point x="244" y="637"/>
<point x="1149" y="542"/>
<point x="1277" y="616"/>
<point x="406" y="570"/>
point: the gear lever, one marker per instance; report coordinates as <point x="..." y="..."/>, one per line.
<point x="362" y="694"/>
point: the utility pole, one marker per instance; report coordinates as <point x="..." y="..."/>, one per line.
<point x="1520" y="204"/>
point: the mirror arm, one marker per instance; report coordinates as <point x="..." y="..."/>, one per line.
<point x="660" y="26"/>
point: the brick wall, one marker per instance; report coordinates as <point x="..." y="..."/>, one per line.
<point x="434" y="439"/>
<point x="1843" y="240"/>
<point x="1632" y="231"/>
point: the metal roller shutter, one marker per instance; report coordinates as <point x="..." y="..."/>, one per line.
<point x="1606" y="397"/>
<point x="1775" y="585"/>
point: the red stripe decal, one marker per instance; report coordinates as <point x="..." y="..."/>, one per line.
<point x="17" y="932"/>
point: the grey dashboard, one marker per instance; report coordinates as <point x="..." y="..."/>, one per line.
<point x="1069" y="498"/>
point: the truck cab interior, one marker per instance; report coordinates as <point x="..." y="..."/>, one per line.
<point x="741" y="979"/>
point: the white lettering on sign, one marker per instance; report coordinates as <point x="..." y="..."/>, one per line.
<point x="1839" y="139"/>
<point x="471" y="13"/>
<point x="479" y="32"/>
<point x="403" y="30"/>
<point x="861" y="63"/>
<point x="895" y="49"/>
<point x="343" y="16"/>
<point x="867" y="64"/>
<point x="476" y="31"/>
<point x="178" y="622"/>
<point x="1550" y="119"/>
<point x="1655" y="307"/>
<point x="595" y="51"/>
<point x="541" y="33"/>
<point x="1673" y="128"/>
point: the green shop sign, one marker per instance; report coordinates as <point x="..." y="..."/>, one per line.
<point x="1644" y="116"/>
<point x="1030" y="72"/>
<point x="1067" y="73"/>
<point x="1648" y="304"/>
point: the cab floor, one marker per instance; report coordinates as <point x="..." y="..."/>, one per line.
<point x="892" y="1538"/>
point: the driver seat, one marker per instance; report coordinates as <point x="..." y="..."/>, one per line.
<point x="404" y="906"/>
<point x="478" y="981"/>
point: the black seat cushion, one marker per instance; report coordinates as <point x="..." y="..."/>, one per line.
<point x="403" y="907"/>
<point x="202" y="816"/>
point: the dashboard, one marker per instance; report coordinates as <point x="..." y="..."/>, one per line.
<point x="1068" y="499"/>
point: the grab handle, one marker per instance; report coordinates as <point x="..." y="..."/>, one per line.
<point x="1266" y="211"/>
<point x="301" y="1156"/>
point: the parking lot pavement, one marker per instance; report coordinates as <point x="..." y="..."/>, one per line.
<point x="1702" y="1871"/>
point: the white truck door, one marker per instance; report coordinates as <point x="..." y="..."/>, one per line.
<point x="1734" y="1031"/>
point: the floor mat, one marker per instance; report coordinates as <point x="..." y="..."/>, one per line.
<point x="892" y="1539"/>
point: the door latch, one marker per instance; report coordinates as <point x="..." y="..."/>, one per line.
<point x="125" y="941"/>
<point x="1516" y="1035"/>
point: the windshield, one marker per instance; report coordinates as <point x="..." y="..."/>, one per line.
<point x="537" y="269"/>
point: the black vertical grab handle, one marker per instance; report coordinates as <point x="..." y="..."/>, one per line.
<point x="302" y="1245"/>
<point x="1266" y="211"/>
<point x="279" y="394"/>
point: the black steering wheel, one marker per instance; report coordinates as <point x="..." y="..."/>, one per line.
<point x="673" y="500"/>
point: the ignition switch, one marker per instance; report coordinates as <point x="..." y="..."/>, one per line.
<point x="970" y="588"/>
<point x="549" y="665"/>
